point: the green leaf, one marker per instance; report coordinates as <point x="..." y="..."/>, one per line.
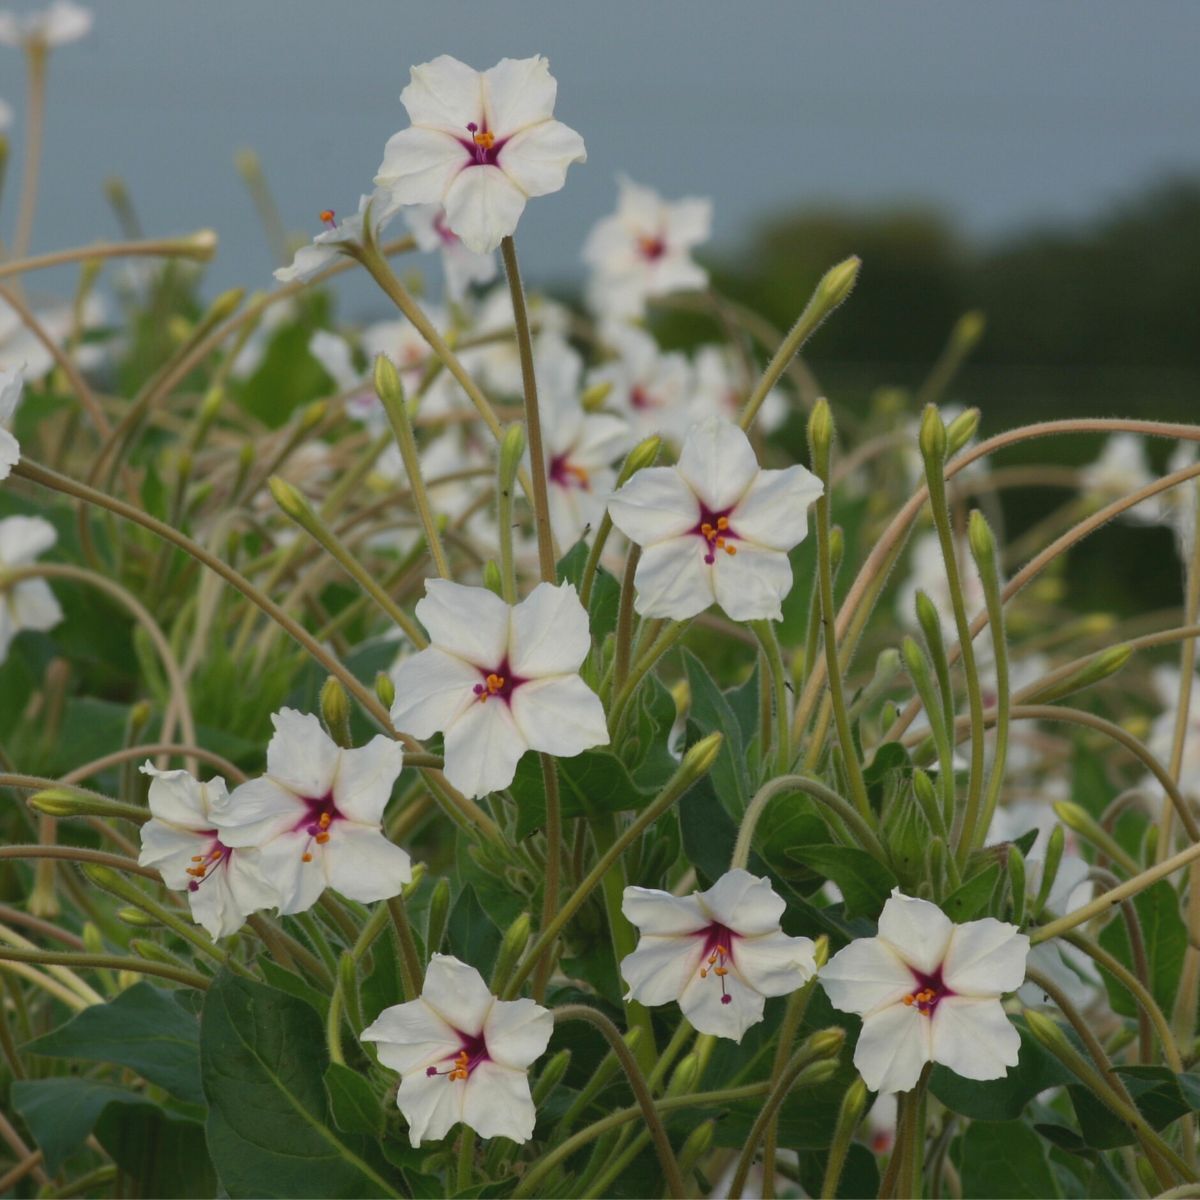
<point x="61" y="1112"/>
<point x="144" y="1029"/>
<point x="860" y="1172"/>
<point x="1160" y="1095"/>
<point x="355" y="1107"/>
<point x="287" y="981"/>
<point x="159" y="1154"/>
<point x="263" y="1060"/>
<point x="968" y="901"/>
<point x="606" y="591"/>
<point x="472" y="934"/>
<point x="651" y="761"/>
<point x="590" y="784"/>
<point x="1001" y="1159"/>
<point x="1001" y="1099"/>
<point x="711" y="712"/>
<point x="865" y="883"/>
<point x="1165" y="933"/>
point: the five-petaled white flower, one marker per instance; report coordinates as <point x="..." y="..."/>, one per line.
<point x="719" y="952"/>
<point x="461" y="266"/>
<point x="714" y="527"/>
<point x="328" y="244"/>
<point x="182" y="843"/>
<point x="57" y="25"/>
<point x="644" y="249"/>
<point x="480" y="144"/>
<point x="498" y="680"/>
<point x="929" y="991"/>
<point x="11" y="385"/>
<point x="315" y="815"/>
<point x="649" y="388"/>
<point x="462" y="1055"/>
<point x="28" y="603"/>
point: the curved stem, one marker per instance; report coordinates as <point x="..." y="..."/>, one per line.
<point x="36" y="53"/>
<point x="199" y="246"/>
<point x="111" y="962"/>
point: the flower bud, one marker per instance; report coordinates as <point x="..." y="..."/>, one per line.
<point x="961" y="430"/>
<point x="1055" y="845"/>
<point x="108" y="879"/>
<point x="492" y="579"/>
<point x="312" y="415"/>
<point x="821" y="950"/>
<point x="983" y="546"/>
<point x="926" y="797"/>
<point x="66" y="802"/>
<point x="697" y="1145"/>
<point x="93" y="939"/>
<point x="551" y="1077"/>
<point x="512" y="447"/>
<point x="1048" y="1032"/>
<point x="837" y="548"/>
<point x="837" y="283"/>
<point x="968" y="329"/>
<point x="936" y="865"/>
<point x="684" y="1076"/>
<point x="642" y="455"/>
<point x="289" y="498"/>
<point x="593" y="398"/>
<point x="1099" y="666"/>
<point x="698" y="761"/>
<point x="932" y="438"/>
<point x="439" y="914"/>
<point x="152" y="951"/>
<point x="385" y="689"/>
<point x="225" y="305"/>
<point x="136" y="917"/>
<point x="820" y="437"/>
<point x="335" y="712"/>
<point x="930" y="622"/>
<point x="822" y="1071"/>
<point x="388" y="387"/>
<point x="825" y="1043"/>
<point x="202" y="244"/>
<point x="915" y="662"/>
<point x="1016" y="884"/>
<point x="512" y="946"/>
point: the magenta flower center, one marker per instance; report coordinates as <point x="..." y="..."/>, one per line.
<point x="448" y="236"/>
<point x="928" y="992"/>
<point x="651" y="247"/>
<point x="717" y="533"/>
<point x="472" y="1052"/>
<point x="203" y="865"/>
<point x="566" y="474"/>
<point x="320" y="813"/>
<point x="499" y="683"/>
<point x="483" y="146"/>
<point x="717" y="956"/>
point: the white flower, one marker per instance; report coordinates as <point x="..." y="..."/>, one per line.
<point x="315" y="815"/>
<point x="927" y="573"/>
<point x="57" y="25"/>
<point x="11" y="385"/>
<point x="719" y="952"/>
<point x="929" y="991"/>
<point x="644" y="249"/>
<point x="480" y="144"/>
<point x="497" y="361"/>
<point x="28" y="604"/>
<point x="326" y="246"/>
<point x="181" y="842"/>
<point x="717" y="391"/>
<point x="20" y="347"/>
<point x="461" y="266"/>
<point x="498" y="680"/>
<point x="1123" y="468"/>
<point x="462" y="1055"/>
<point x="650" y="389"/>
<point x="714" y="527"/>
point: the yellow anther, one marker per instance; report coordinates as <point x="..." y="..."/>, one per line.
<point x="197" y="858"/>
<point x="722" y="522"/>
<point x="327" y="215"/>
<point x="485" y="138"/>
<point x="306" y="857"/>
<point x="703" y="972"/>
<point x="730" y="549"/>
<point x="321" y="839"/>
<point x="720" y="970"/>
<point x="325" y="820"/>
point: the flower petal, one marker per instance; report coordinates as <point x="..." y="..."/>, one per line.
<point x="22" y="539"/>
<point x="537" y="158"/>
<point x="718" y="462"/>
<point x="180" y="798"/>
<point x="661" y="968"/>
<point x="985" y="958"/>
<point x="517" y="1032"/>
<point x="549" y="632"/>
<point x="457" y="993"/>
<point x="657" y="912"/>
<point x="701" y="1004"/>
<point x="365" y="775"/>
<point x="363" y="865"/>
<point x="561" y="716"/>
<point x="411" y="1037"/>
<point x="974" y="1038"/>
<point x="656" y="504"/>
<point x="497" y="1102"/>
<point x="774" y="963"/>
<point x="432" y="1105"/>
<point x="170" y="849"/>
<point x="10" y="453"/>
<point x="918" y="930"/>
<point x="256" y="812"/>
<point x="750" y="585"/>
<point x="420" y="165"/>
<point x="302" y="756"/>
<point x="469" y="622"/>
<point x="773" y="512"/>
<point x="432" y="690"/>
<point x="483" y="207"/>
<point x="744" y="903"/>
<point x="893" y="1048"/>
<point x="518" y="92"/>
<point x="444" y="93"/>
<point x="673" y="580"/>
<point x="299" y="884"/>
<point x="483" y="748"/>
<point x="865" y="976"/>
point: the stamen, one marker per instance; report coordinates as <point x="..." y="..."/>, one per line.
<point x="486" y="138"/>
<point x="491" y="685"/>
<point x="328" y="217"/>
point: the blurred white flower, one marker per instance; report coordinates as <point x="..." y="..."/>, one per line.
<point x="461" y="266"/>
<point x="497" y="362"/>
<point x="719" y="953"/>
<point x="644" y="250"/>
<point x="62" y="22"/>
<point x="29" y="603"/>
<point x="462" y="1055"/>
<point x="315" y="815"/>
<point x="1123" y="468"/>
<point x="498" y="680"/>
<point x="714" y="528"/>
<point x="717" y="392"/>
<point x="20" y="347"/>
<point x="480" y="144"/>
<point x="929" y="991"/>
<point x="650" y="389"/>
<point x="181" y="842"/>
<point x="927" y="573"/>
<point x="327" y="245"/>
<point x="12" y="384"/>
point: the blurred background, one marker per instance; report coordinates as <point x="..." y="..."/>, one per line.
<point x="1039" y="163"/>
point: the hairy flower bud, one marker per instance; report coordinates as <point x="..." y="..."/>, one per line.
<point x="335" y="712"/>
<point x="932" y="438"/>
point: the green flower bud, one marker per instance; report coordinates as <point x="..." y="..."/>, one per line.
<point x="93" y="939"/>
<point x="512" y="946"/>
<point x="698" y="761"/>
<point x="642" y="455"/>
<point x="818" y="1073"/>
<point x="439" y="915"/>
<point x="1055" y="845"/>
<point x="961" y="430"/>
<point x="312" y="415"/>
<point x="335" y="712"/>
<point x="983" y="547"/>
<point x="932" y="438"/>
<point x="1016" y="884"/>
<point x="225" y="305"/>
<point x="551" y="1077"/>
<point x="825" y="1043"/>
<point x="136" y="917"/>
<point x="492" y="579"/>
<point x="697" y="1145"/>
<point x="387" y="380"/>
<point x="385" y="689"/>
<point x="1099" y="666"/>
<point x="838" y="282"/>
<point x="512" y="447"/>
<point x="820" y="437"/>
<point x="152" y="951"/>
<point x="593" y="398"/>
<point x="289" y="498"/>
<point x="684" y="1076"/>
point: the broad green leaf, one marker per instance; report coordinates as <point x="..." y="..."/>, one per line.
<point x="471" y="932"/>
<point x="606" y="591"/>
<point x="144" y="1029"/>
<point x="287" y="981"/>
<point x="589" y="784"/>
<point x="263" y="1061"/>
<point x="1161" y="1097"/>
<point x="860" y="1172"/>
<point x="1166" y="941"/>
<point x="968" y="901"/>
<point x="355" y="1107"/>
<point x="646" y="752"/>
<point x="159" y="1155"/>
<point x="1001" y="1159"/>
<point x="710" y="712"/>
<point x="865" y="883"/>
<point x="61" y="1112"/>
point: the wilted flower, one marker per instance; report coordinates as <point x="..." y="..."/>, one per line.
<point x="929" y="991"/>
<point x="461" y="266"/>
<point x="462" y="1055"/>
<point x="644" y="249"/>
<point x="498" y="680"/>
<point x="182" y="843"/>
<point x="29" y="603"/>
<point x="719" y="952"/>
<point x="480" y="144"/>
<point x="57" y="25"/>
<point x="315" y="815"/>
<point x="327" y="245"/>
<point x="714" y="527"/>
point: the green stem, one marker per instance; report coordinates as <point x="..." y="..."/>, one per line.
<point x="113" y="962"/>
<point x="411" y="974"/>
<point x="554" y="851"/>
<point x="765" y="632"/>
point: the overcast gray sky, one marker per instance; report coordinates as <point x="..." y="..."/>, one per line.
<point x="998" y="113"/>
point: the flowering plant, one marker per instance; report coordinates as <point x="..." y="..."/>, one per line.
<point x="473" y="755"/>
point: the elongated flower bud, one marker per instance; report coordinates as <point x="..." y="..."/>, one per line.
<point x="820" y="437"/>
<point x="335" y="712"/>
<point x="1016" y="884"/>
<point x="932" y="438"/>
<point x="642" y="455"/>
<point x="512" y="946"/>
<point x="1100" y="666"/>
<point x="512" y="447"/>
<point x="961" y="430"/>
<point x="550" y="1077"/>
<point x="385" y="689"/>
